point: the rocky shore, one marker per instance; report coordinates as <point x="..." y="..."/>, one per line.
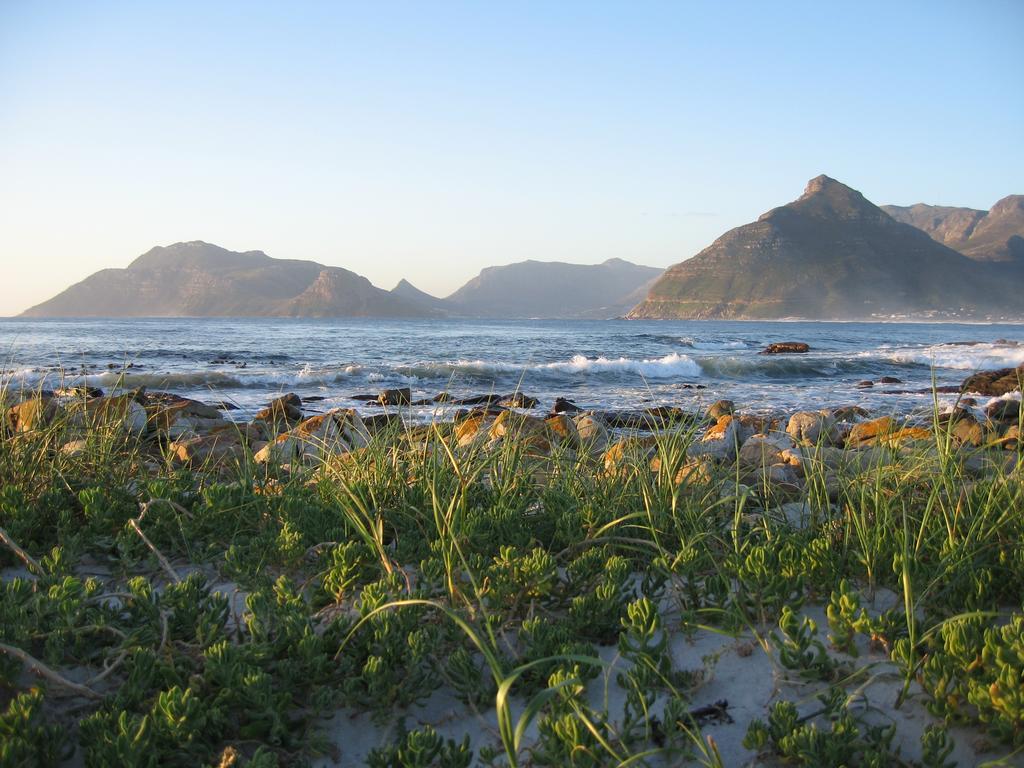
<point x="767" y="449"/>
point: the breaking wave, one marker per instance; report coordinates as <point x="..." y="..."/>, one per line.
<point x="963" y="357"/>
<point x="673" y="365"/>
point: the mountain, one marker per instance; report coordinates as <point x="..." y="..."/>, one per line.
<point x="831" y="254"/>
<point x="197" y="279"/>
<point x="408" y="291"/>
<point x="553" y="289"/>
<point x="996" y="235"/>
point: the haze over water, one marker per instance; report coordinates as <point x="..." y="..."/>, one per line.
<point x="598" y="364"/>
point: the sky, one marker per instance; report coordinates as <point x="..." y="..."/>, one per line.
<point x="427" y="140"/>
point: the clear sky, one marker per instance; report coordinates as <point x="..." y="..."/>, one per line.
<point x="430" y="139"/>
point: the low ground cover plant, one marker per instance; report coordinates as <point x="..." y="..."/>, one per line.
<point x="154" y="614"/>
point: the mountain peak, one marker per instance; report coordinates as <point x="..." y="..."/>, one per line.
<point x="822" y="183"/>
<point x="830" y="254"/>
<point x="824" y="197"/>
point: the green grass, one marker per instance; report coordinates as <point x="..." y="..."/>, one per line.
<point x="524" y="583"/>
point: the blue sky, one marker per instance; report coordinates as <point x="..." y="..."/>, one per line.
<point x="428" y="140"/>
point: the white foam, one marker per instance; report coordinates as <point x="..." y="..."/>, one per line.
<point x="669" y="366"/>
<point x="973" y="357"/>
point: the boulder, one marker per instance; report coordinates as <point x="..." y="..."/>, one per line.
<point x="33" y="414"/>
<point x="963" y="428"/>
<point x="402" y="396"/>
<point x="752" y="424"/>
<point x="531" y="431"/>
<point x="221" y="448"/>
<point x="75" y="447"/>
<point x="185" y="417"/>
<point x="563" y="427"/>
<point x="565" y="406"/>
<point x="1010" y="439"/>
<point x="884" y="431"/>
<point x="82" y="391"/>
<point x="849" y="413"/>
<point x="158" y="401"/>
<point x="1003" y="410"/>
<point x="468" y="430"/>
<point x="764" y="450"/>
<point x="720" y="441"/>
<point x="280" y="414"/>
<point x="786" y="348"/>
<point x="811" y="427"/>
<point x="122" y="411"/>
<point x="629" y="453"/>
<point x="518" y="400"/>
<point x="889" y="380"/>
<point x="337" y="431"/>
<point x="591" y="432"/>
<point x="994" y="383"/>
<point x="720" y="408"/>
<point x="698" y="471"/>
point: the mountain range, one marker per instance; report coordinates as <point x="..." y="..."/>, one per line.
<point x="830" y="254"/>
<point x="996" y="235"/>
<point x="197" y="279"/>
<point x="833" y="254"/>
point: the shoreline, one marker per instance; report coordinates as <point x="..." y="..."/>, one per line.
<point x="687" y="586"/>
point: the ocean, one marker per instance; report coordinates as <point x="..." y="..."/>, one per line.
<point x="611" y="365"/>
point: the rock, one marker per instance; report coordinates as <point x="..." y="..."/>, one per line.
<point x="380" y="422"/>
<point x="867" y="431"/>
<point x="75" y="447"/>
<point x="796" y="514"/>
<point x="1010" y="439"/>
<point x="866" y="384"/>
<point x="401" y="396"/>
<point x="786" y="348"/>
<point x="565" y="406"/>
<point x="221" y="448"/>
<point x="467" y="430"/>
<point x="698" y="471"/>
<point x="479" y="400"/>
<point x="1003" y="410"/>
<point x="280" y="414"/>
<point x="720" y="408"/>
<point x="761" y="451"/>
<point x="660" y="415"/>
<point x="519" y="400"/>
<point x="849" y="413"/>
<point x="530" y="431"/>
<point x="963" y="428"/>
<point x="629" y="453"/>
<point x="442" y="397"/>
<point x="720" y="441"/>
<point x="337" y="431"/>
<point x="563" y="427"/>
<point x="32" y="414"/>
<point x="889" y="380"/>
<point x="811" y="427"/>
<point x="185" y="417"/>
<point x="752" y="424"/>
<point x="122" y="411"/>
<point x="291" y="399"/>
<point x="81" y="391"/>
<point x="994" y="383"/>
<point x="884" y="431"/>
<point x="590" y="432"/>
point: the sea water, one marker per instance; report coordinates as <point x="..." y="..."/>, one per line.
<point x="615" y="364"/>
